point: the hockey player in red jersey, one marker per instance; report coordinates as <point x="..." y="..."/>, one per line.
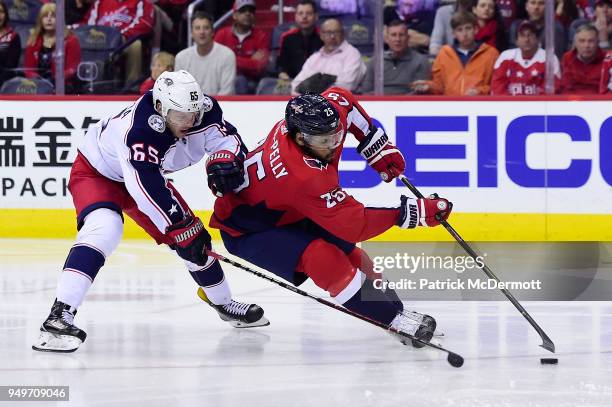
<point x="292" y="218"/>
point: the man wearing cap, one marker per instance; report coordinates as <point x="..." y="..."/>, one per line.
<point x="250" y="45"/>
<point x="521" y="71"/>
<point x="581" y="67"/>
<point x="535" y="13"/>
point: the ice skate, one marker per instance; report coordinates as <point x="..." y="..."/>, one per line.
<point x="58" y="333"/>
<point x="418" y="325"/>
<point x="238" y="314"/>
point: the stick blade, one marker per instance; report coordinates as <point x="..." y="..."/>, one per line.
<point x="547" y="343"/>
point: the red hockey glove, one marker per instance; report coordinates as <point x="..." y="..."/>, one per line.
<point x="190" y="240"/>
<point x="422" y="212"/>
<point x="382" y="155"/>
<point x="225" y="172"/>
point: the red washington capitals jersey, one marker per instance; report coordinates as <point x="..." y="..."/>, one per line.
<point x="514" y="75"/>
<point x="283" y="185"/>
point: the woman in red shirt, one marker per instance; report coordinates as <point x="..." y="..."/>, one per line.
<point x="39" y="51"/>
<point x="490" y="28"/>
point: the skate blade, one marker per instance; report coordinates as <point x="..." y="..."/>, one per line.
<point x="263" y="321"/>
<point x="48" y="342"/>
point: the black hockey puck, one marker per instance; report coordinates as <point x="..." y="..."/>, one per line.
<point x="549" y="361"/>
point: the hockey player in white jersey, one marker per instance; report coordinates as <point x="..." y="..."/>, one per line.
<point x="119" y="169"/>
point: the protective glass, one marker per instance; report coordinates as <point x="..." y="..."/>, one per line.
<point x="329" y="141"/>
<point x="181" y="119"/>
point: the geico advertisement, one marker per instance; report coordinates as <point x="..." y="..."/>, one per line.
<point x="501" y="157"/>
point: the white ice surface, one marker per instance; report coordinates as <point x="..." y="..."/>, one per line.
<point x="152" y="342"/>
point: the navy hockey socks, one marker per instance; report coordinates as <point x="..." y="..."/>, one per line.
<point x="372" y="303"/>
<point x="85" y="260"/>
<point x="208" y="275"/>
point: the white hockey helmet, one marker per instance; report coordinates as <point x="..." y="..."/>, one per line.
<point x="178" y="91"/>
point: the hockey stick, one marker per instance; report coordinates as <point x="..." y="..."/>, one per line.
<point x="454" y="359"/>
<point x="547" y="343"/>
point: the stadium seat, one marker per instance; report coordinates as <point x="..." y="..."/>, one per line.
<point x="26" y="86"/>
<point x="98" y="69"/>
<point x="359" y="33"/>
<point x="273" y="86"/>
<point x="23" y="11"/>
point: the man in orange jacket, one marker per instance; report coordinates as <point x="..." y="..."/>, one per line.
<point x="466" y="67"/>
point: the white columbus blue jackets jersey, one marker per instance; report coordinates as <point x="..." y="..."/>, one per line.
<point x="135" y="147"/>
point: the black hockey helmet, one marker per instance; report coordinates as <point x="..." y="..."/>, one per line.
<point x="311" y="114"/>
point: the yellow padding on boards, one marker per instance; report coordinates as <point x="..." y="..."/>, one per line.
<point x="61" y="223"/>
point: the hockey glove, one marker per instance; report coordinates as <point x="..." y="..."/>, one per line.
<point x="225" y="172"/>
<point x="190" y="240"/>
<point x="422" y="212"/>
<point x="382" y="155"/>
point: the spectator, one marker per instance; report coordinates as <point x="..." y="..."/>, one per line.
<point x="336" y="58"/>
<point x="10" y="46"/>
<point x="402" y="65"/>
<point x="466" y="67"/>
<point x="490" y="26"/>
<point x="605" y="85"/>
<point x="250" y="45"/>
<point x="521" y="71"/>
<point x="419" y="16"/>
<point x="160" y="63"/>
<point x="212" y="64"/>
<point x="535" y="14"/>
<point x="133" y="18"/>
<point x="301" y="42"/>
<point x="39" y="59"/>
<point x="581" y="67"/>
<point x="442" y="33"/>
<point x="603" y="22"/>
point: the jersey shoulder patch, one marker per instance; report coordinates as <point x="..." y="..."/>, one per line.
<point x="157" y="123"/>
<point x="212" y="112"/>
<point x="207" y="104"/>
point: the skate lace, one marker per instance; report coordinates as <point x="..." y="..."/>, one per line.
<point x="405" y="324"/>
<point x="413" y="315"/>
<point x="68" y="317"/>
<point x="236" y="308"/>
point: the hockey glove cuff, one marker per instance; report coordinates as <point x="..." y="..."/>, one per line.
<point x="382" y="155"/>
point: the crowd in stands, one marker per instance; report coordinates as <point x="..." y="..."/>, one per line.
<point x="443" y="47"/>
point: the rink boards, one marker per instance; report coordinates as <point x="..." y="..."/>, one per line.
<point x="516" y="170"/>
